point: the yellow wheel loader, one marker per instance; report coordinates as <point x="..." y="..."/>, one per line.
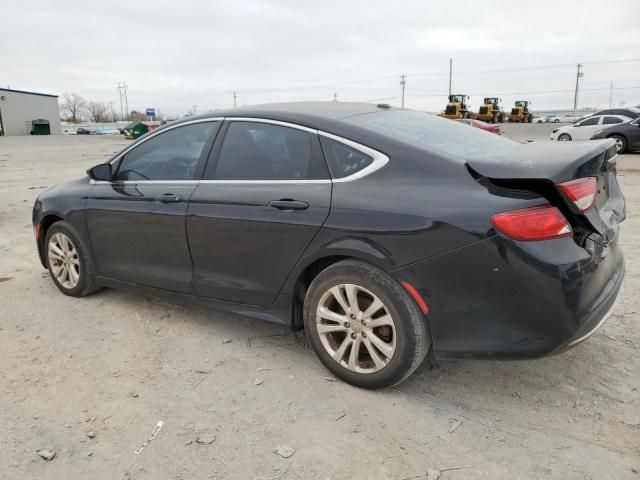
<point x="520" y="113"/>
<point x="490" y="111"/>
<point x="457" y="107"/>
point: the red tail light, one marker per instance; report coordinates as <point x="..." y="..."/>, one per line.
<point x="582" y="192"/>
<point x="535" y="223"/>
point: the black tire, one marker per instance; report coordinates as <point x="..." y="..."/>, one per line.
<point x="530" y="119"/>
<point x="412" y="338"/>
<point x="86" y="282"/>
<point x="621" y="143"/>
<point x="494" y="118"/>
<point x="564" y="137"/>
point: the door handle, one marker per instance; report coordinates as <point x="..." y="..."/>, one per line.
<point x="287" y="204"/>
<point x="169" y="198"/>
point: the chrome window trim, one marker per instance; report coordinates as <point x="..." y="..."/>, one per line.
<point x="379" y="159"/>
<point x="273" y="122"/>
<point x="152" y="182"/>
<point x="267" y="182"/>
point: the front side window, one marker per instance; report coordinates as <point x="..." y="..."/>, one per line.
<point x="611" y="120"/>
<point x="170" y="155"/>
<point x="264" y="151"/>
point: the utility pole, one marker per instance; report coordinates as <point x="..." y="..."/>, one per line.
<point x="121" y="109"/>
<point x="195" y="108"/>
<point x="611" y="95"/>
<point x="126" y="99"/>
<point x="113" y="116"/>
<point x="122" y="88"/>
<point x="450" y="73"/>
<point x="335" y="97"/>
<point x="579" y="75"/>
<point x="403" y="82"/>
<point x="235" y="99"/>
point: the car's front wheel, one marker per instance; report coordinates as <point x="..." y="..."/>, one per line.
<point x="564" y="137"/>
<point x="68" y="261"/>
<point x="364" y="326"/>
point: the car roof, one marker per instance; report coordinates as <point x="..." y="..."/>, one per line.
<point x="311" y="114"/>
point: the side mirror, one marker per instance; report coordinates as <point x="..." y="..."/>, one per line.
<point x="100" y="172"/>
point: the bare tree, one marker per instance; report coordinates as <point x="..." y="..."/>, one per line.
<point x="98" y="112"/>
<point x="73" y="104"/>
<point x="136" y="116"/>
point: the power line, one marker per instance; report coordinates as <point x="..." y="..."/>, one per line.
<point x="533" y="92"/>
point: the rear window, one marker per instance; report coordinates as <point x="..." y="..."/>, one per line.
<point x="343" y="160"/>
<point x="429" y="131"/>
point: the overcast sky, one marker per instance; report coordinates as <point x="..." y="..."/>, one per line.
<point x="175" y="54"/>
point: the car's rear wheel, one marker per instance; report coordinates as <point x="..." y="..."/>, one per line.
<point x="364" y="326"/>
<point x="68" y="261"/>
<point x="621" y="143"/>
<point x="564" y="137"/>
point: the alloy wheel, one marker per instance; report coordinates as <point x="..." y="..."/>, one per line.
<point x="356" y="328"/>
<point x="619" y="144"/>
<point x="64" y="260"/>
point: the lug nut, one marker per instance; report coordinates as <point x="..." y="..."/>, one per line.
<point x="353" y="335"/>
<point x="347" y="324"/>
<point x="364" y="334"/>
<point x="353" y="317"/>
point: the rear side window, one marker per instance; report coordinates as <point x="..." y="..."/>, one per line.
<point x="343" y="160"/>
<point x="431" y="132"/>
<point x="264" y="151"/>
<point x="611" y="120"/>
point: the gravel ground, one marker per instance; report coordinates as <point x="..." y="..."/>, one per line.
<point x="91" y="379"/>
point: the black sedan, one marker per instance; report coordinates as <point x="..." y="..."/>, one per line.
<point x="382" y="232"/>
<point x="626" y="135"/>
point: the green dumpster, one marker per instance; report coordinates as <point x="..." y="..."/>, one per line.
<point x="40" y="127"/>
<point x="135" y="130"/>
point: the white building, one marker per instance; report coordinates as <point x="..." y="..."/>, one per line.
<point x="18" y="109"/>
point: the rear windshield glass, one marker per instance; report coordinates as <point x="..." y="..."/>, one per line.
<point x="429" y="131"/>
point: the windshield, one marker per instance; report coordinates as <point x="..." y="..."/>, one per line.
<point x="425" y="130"/>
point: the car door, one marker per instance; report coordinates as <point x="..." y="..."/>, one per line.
<point x="585" y="128"/>
<point x="136" y="221"/>
<point x="264" y="195"/>
<point x="633" y="135"/>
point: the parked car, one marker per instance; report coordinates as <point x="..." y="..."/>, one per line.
<point x="382" y="232"/>
<point x="626" y="135"/>
<point x="83" y="131"/>
<point x="480" y="124"/>
<point x="565" y="118"/>
<point x="107" y="131"/>
<point x="629" y="112"/>
<point x="539" y="120"/>
<point x="584" y="129"/>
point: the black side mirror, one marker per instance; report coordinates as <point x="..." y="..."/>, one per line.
<point x="100" y="172"/>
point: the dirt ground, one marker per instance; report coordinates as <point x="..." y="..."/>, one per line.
<point x="230" y="391"/>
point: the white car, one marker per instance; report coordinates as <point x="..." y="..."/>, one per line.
<point x="565" y="119"/>
<point x="584" y="129"/>
<point x="539" y="119"/>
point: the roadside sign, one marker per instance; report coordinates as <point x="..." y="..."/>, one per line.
<point x="150" y="112"/>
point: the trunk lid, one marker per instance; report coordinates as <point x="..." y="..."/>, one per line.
<point x="534" y="170"/>
<point x="557" y="162"/>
